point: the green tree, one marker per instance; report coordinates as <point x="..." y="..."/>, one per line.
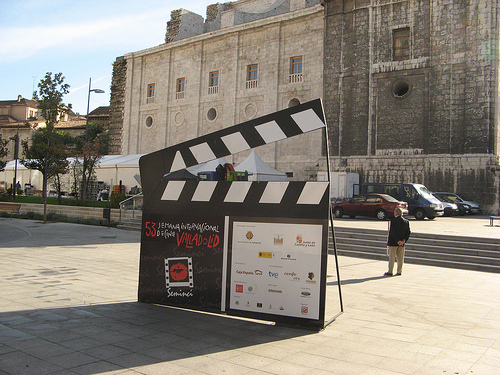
<point x="64" y="141"/>
<point x="47" y="151"/>
<point x="3" y="152"/>
<point x="90" y="149"/>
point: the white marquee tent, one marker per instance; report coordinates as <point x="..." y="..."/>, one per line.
<point x="258" y="170"/>
<point x="111" y="170"/>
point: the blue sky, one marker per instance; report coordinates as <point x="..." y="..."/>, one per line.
<point x="80" y="39"/>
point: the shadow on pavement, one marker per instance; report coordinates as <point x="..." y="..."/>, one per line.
<point x="356" y="281"/>
<point x="99" y="338"/>
<point x="31" y="233"/>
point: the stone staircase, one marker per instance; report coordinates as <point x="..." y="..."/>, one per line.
<point x="471" y="253"/>
<point x="134" y="223"/>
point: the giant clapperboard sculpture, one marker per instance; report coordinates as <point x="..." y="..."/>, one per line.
<point x="255" y="249"/>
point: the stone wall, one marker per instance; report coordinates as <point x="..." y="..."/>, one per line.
<point x="117" y="105"/>
<point x="176" y="117"/>
<point x="183" y="24"/>
<point x="173" y="26"/>
<point x="474" y="176"/>
<point x="75" y="211"/>
<point x="399" y="116"/>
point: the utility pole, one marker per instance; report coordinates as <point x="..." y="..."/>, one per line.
<point x="16" y="156"/>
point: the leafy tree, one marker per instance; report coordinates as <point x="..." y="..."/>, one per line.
<point x="64" y="141"/>
<point x="90" y="149"/>
<point x="3" y="152"/>
<point x="76" y="174"/>
<point x="47" y="151"/>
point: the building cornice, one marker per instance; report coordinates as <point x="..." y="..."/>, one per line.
<point x="229" y="30"/>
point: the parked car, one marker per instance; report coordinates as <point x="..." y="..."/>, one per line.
<point x="380" y="206"/>
<point x="462" y="208"/>
<point x="475" y="208"/>
<point x="421" y="203"/>
<point x="450" y="209"/>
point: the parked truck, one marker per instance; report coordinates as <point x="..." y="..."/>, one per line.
<point x="343" y="185"/>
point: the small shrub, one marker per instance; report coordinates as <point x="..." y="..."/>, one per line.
<point x="115" y="199"/>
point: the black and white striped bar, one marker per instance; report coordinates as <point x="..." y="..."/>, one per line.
<point x="312" y="192"/>
<point x="299" y="199"/>
<point x="248" y="135"/>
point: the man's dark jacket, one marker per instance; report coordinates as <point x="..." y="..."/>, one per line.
<point x="399" y="230"/>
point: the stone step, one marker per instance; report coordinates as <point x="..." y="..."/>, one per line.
<point x="129" y="227"/>
<point x="470" y="253"/>
<point x="134" y="223"/>
<point x="442" y="247"/>
<point x="423" y="238"/>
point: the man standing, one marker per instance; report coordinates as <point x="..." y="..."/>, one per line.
<point x="399" y="232"/>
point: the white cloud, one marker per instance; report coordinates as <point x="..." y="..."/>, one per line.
<point x="21" y="43"/>
<point x="107" y="77"/>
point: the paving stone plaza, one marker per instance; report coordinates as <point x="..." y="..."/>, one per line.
<point x="68" y="305"/>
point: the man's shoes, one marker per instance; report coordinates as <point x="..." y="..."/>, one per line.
<point x="388" y="274"/>
<point x="398" y="274"/>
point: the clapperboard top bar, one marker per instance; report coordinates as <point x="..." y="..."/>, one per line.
<point x="254" y="133"/>
<point x="263" y="199"/>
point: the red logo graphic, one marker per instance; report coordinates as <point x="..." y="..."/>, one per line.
<point x="239" y="288"/>
<point x="179" y="272"/>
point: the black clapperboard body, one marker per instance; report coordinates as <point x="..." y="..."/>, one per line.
<point x="243" y="248"/>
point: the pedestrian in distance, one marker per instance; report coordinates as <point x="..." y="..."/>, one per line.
<point x="399" y="233"/>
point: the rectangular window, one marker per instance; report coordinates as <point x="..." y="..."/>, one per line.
<point x="181" y="84"/>
<point x="181" y="87"/>
<point x="295" y="69"/>
<point x="296" y="65"/>
<point x="214" y="79"/>
<point x="151" y="93"/>
<point x="213" y="83"/>
<point x="401" y="41"/>
<point x="252" y="74"/>
<point x="151" y="90"/>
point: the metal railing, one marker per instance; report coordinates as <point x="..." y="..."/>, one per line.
<point x="132" y="203"/>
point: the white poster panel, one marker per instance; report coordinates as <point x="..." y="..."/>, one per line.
<point x="276" y="268"/>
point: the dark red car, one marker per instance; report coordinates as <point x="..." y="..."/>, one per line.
<point x="380" y="206"/>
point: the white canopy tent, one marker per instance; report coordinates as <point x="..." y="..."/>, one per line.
<point x="111" y="170"/>
<point x="24" y="176"/>
<point x="115" y="168"/>
<point x="258" y="170"/>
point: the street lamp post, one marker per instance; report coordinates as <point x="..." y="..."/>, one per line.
<point x="97" y="91"/>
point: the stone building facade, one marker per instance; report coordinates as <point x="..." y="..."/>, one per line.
<point x="19" y="118"/>
<point x="247" y="59"/>
<point x="411" y="93"/>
